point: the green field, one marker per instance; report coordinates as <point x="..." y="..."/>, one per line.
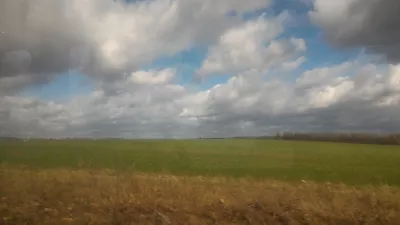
<point x="282" y="160"/>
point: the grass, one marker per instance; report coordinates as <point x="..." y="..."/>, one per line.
<point x="353" y="164"/>
<point x="87" y="196"/>
<point x="198" y="182"/>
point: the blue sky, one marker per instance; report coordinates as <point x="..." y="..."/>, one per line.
<point x="62" y="88"/>
<point x="319" y="54"/>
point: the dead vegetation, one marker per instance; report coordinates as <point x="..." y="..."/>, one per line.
<point x="107" y="197"/>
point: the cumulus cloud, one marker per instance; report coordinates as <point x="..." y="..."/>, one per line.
<point x="372" y="24"/>
<point x="42" y="38"/>
<point x="252" y="46"/>
<point x="97" y="114"/>
<point x="345" y="97"/>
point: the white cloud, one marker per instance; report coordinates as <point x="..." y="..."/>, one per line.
<point x="394" y="79"/>
<point x="292" y="65"/>
<point x="319" y="76"/>
<point x="329" y="94"/>
<point x="347" y="96"/>
<point x="152" y="77"/>
<point x="245" y="47"/>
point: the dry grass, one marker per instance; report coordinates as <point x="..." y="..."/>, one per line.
<point x="109" y="197"/>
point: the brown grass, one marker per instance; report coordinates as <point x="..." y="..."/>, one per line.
<point x="108" y="197"/>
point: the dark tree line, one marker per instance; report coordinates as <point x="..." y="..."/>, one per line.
<point x="362" y="138"/>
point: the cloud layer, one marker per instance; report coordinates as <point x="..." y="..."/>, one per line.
<point x="111" y="42"/>
<point x="319" y="100"/>
<point x="42" y="38"/>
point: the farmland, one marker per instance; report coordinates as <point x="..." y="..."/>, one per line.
<point x="282" y="160"/>
<point x="198" y="182"/>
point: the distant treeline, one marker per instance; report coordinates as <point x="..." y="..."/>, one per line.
<point x="362" y="138"/>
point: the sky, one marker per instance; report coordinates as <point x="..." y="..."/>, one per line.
<point x="198" y="68"/>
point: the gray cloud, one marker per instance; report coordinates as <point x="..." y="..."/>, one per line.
<point x="36" y="41"/>
<point x="102" y="38"/>
<point x="373" y="24"/>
